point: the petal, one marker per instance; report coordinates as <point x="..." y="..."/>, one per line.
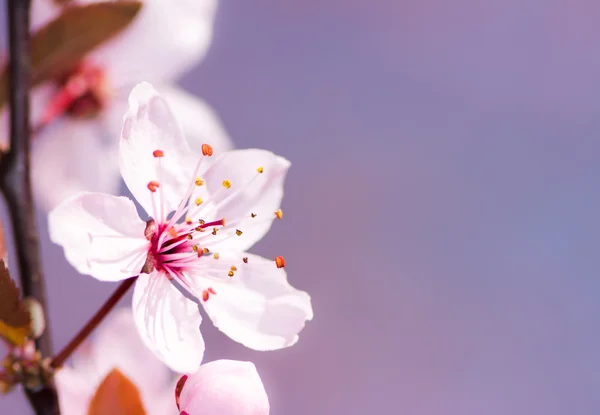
<point x="117" y="345"/>
<point x="225" y="387"/>
<point x="198" y="120"/>
<point x="74" y="391"/>
<point x="179" y="32"/>
<point x="102" y="235"/>
<point x="250" y="192"/>
<point x="149" y="125"/>
<point x="71" y="156"/>
<point x="42" y="11"/>
<point x="168" y="322"/>
<point x="257" y="306"/>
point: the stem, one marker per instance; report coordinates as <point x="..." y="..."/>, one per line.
<point x="64" y="354"/>
<point x="16" y="186"/>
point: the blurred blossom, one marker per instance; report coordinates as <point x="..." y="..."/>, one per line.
<point x="198" y="253"/>
<point x="223" y="387"/>
<point x="76" y="143"/>
<point x="116" y="345"/>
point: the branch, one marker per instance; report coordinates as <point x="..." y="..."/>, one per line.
<point x="16" y="186"/>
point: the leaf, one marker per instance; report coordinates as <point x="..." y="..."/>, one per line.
<point x="60" y="45"/>
<point x="15" y="321"/>
<point x="116" y="395"/>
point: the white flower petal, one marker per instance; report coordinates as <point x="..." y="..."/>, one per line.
<point x="74" y="391"/>
<point x="149" y="125"/>
<point x="42" y="11"/>
<point x="71" y="156"/>
<point x="250" y="192"/>
<point x="168" y="322"/>
<point x="102" y="235"/>
<point x="199" y="121"/>
<point x="257" y="306"/>
<point x="225" y="387"/>
<point x="179" y="34"/>
<point x="117" y="344"/>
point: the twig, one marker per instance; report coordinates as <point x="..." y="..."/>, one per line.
<point x="64" y="354"/>
<point x="16" y="186"/>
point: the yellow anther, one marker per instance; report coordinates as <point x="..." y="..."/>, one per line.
<point x="195" y="248"/>
<point x="216" y="255"/>
<point x="190" y="237"/>
<point x="230" y="273"/>
<point x="199" y="181"/>
<point x="279" y="213"/>
<point x="201" y="222"/>
<point x="206" y="250"/>
<point x="238" y="232"/>
<point x="226" y="184"/>
<point x="198" y="201"/>
<point x="233" y="268"/>
<point x="260" y="169"/>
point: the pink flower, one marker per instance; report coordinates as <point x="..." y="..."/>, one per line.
<point x="75" y="150"/>
<point x="116" y="345"/>
<point x="192" y="249"/>
<point x="223" y="387"/>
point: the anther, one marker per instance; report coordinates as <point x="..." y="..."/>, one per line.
<point x="253" y="215"/>
<point x="207" y="150"/>
<point x="172" y="232"/>
<point x="198" y="201"/>
<point x="260" y="169"/>
<point x="190" y="237"/>
<point x="230" y="273"/>
<point x="188" y="221"/>
<point x="205" y="295"/>
<point x="201" y="222"/>
<point x="206" y="250"/>
<point x="279" y="213"/>
<point x="238" y="232"/>
<point x="158" y="153"/>
<point x="226" y="184"/>
<point x="245" y="259"/>
<point x="280" y="262"/>
<point x="195" y="248"/>
<point x="210" y="290"/>
<point x="233" y="268"/>
<point x="216" y="255"/>
<point x="214" y="231"/>
<point x="153" y="185"/>
<point x="199" y="181"/>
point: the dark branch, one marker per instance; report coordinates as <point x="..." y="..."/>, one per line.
<point x="16" y="186"/>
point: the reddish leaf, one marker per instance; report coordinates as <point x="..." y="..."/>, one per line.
<point x="14" y="318"/>
<point x="116" y="395"/>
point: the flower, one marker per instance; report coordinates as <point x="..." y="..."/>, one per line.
<point x="223" y="387"/>
<point x="192" y="248"/>
<point x="115" y="348"/>
<point x="81" y="112"/>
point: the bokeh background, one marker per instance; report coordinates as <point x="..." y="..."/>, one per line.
<point x="442" y="208"/>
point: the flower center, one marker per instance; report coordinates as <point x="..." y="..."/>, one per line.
<point x="80" y="93"/>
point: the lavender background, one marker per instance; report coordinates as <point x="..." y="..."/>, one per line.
<point x="442" y="208"/>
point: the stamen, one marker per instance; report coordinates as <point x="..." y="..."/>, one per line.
<point x="220" y="222"/>
<point x="172" y="232"/>
<point x="199" y="181"/>
<point x="226" y="184"/>
<point x="253" y="215"/>
<point x="280" y="262"/>
<point x="279" y="213"/>
<point x="245" y="259"/>
<point x="214" y="231"/>
<point x="207" y="150"/>
<point x="216" y="255"/>
<point x="158" y="153"/>
<point x="198" y="201"/>
<point x="238" y="232"/>
<point x="230" y="273"/>
<point x="233" y="268"/>
<point x="153" y="185"/>
<point x="260" y="169"/>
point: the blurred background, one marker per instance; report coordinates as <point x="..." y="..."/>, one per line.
<point x="442" y="206"/>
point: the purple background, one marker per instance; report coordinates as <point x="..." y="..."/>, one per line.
<point x="442" y="207"/>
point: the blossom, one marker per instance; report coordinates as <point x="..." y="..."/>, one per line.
<point x="191" y="249"/>
<point x="115" y="346"/>
<point x="223" y="387"/>
<point x="80" y="113"/>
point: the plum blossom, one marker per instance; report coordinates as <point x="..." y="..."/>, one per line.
<point x="115" y="346"/>
<point x="80" y="113"/>
<point x="192" y="247"/>
<point x="222" y="387"/>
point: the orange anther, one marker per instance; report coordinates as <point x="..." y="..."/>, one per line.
<point x="207" y="150"/>
<point x="230" y="274"/>
<point x="279" y="213"/>
<point x="238" y="232"/>
<point x="172" y="232"/>
<point x="158" y="153"/>
<point x="153" y="185"/>
<point x="205" y="295"/>
<point x="280" y="262"/>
